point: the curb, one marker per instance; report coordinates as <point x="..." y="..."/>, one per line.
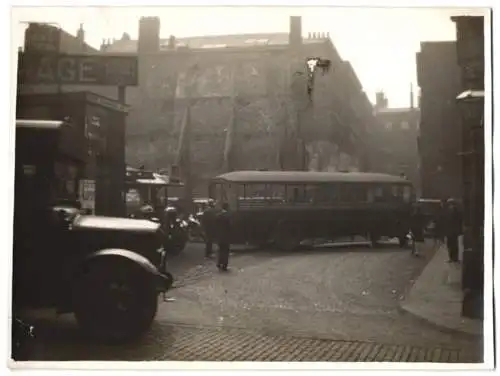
<point x="441" y="328"/>
<point x="429" y="322"/>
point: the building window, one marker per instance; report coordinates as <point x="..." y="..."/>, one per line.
<point x="388" y="126"/>
<point x="405" y="125"/>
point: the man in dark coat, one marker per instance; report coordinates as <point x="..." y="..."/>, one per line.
<point x="453" y="228"/>
<point x="208" y="225"/>
<point x="223" y="226"/>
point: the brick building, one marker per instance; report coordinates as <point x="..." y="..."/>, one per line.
<point x="395" y="134"/>
<point x="440" y="139"/>
<point x="470" y="57"/>
<point x="240" y="102"/>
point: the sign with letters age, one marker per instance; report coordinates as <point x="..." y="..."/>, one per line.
<point x="40" y="68"/>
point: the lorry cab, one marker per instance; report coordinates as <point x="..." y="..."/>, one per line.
<point x="70" y="261"/>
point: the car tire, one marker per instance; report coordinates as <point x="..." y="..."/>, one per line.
<point x="115" y="301"/>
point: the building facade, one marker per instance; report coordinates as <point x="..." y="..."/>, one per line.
<point x="440" y="139"/>
<point x="395" y="134"/>
<point x="471" y="96"/>
<point x="217" y="103"/>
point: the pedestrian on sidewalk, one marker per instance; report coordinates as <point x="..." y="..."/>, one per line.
<point x="208" y="227"/>
<point x="223" y="224"/>
<point x="417" y="230"/>
<point x="453" y="230"/>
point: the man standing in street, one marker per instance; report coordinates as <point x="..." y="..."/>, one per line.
<point x="223" y="225"/>
<point x="453" y="230"/>
<point x="208" y="226"/>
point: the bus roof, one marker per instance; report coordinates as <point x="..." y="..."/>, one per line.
<point x="39" y="124"/>
<point x="308" y="177"/>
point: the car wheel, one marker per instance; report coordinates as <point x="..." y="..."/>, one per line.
<point x="115" y="301"/>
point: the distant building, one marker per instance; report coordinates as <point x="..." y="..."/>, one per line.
<point x="50" y="38"/>
<point x="440" y="138"/>
<point x="240" y="102"/>
<point x="395" y="135"/>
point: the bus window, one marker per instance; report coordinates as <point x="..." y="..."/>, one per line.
<point x="395" y="193"/>
<point x="219" y="192"/>
<point x="256" y="190"/>
<point x="296" y="193"/>
<point x="278" y="192"/>
<point x="370" y="195"/>
<point x="353" y="193"/>
<point x="378" y="193"/>
<point x="407" y="193"/>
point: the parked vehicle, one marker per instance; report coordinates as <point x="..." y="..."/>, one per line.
<point x="195" y="230"/>
<point x="430" y="209"/>
<point x="107" y="271"/>
<point x="176" y="229"/>
<point x="152" y="190"/>
<point x="285" y="208"/>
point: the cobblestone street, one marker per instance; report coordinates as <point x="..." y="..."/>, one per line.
<point x="330" y="304"/>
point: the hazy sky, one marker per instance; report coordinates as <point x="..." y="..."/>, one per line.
<point x="381" y="43"/>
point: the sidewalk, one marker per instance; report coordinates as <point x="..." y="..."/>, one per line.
<point x="437" y="296"/>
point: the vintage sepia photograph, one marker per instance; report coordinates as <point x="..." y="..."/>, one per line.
<point x="251" y="184"/>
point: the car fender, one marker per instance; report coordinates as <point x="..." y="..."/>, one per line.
<point x="136" y="258"/>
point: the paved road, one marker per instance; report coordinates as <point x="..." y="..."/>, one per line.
<point x="335" y="303"/>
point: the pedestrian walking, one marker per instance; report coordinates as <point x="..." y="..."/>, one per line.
<point x="208" y="227"/>
<point x="223" y="224"/>
<point x="453" y="230"/>
<point x="417" y="230"/>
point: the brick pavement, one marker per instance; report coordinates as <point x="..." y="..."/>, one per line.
<point x="216" y="344"/>
<point x="195" y="343"/>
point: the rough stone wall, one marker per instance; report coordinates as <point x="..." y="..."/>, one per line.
<point x="253" y="88"/>
<point x="255" y="84"/>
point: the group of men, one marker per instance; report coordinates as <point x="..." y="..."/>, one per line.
<point x="448" y="226"/>
<point x="217" y="229"/>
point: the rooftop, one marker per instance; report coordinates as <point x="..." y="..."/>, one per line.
<point x="308" y="177"/>
<point x="396" y="110"/>
<point x="126" y="45"/>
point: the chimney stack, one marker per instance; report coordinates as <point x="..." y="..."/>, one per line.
<point x="380" y="100"/>
<point x="411" y="96"/>
<point x="80" y="34"/>
<point x="295" y="34"/>
<point x="172" y="42"/>
<point x="149" y="35"/>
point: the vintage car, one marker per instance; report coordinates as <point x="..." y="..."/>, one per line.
<point x="150" y="192"/>
<point x="286" y="208"/>
<point x="108" y="271"/>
